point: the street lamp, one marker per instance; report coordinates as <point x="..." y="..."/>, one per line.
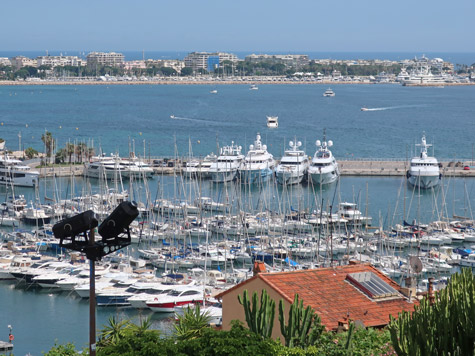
<point x="115" y="233"/>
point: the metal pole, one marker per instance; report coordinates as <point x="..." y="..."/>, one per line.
<point x="92" y="300"/>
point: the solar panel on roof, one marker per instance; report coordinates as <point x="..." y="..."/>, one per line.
<point x="370" y="284"/>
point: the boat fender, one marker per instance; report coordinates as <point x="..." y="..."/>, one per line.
<point x="11" y="337"/>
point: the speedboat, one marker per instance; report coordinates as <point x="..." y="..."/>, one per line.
<point x="329" y="92"/>
<point x="172" y="116"/>
<point x="272" y="122"/>
<point x="324" y="167"/>
<point x="293" y="166"/>
<point x="424" y="171"/>
<point x="213" y="91"/>
<point x="258" y="165"/>
<point x="226" y="166"/>
<point x="253" y="87"/>
<point x="364" y="109"/>
<point x="181" y="295"/>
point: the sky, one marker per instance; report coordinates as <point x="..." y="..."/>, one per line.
<point x="244" y="25"/>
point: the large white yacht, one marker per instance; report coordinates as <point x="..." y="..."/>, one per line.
<point x="115" y="166"/>
<point x="424" y="171"/>
<point x="293" y="166"/>
<point x="324" y="167"/>
<point x="421" y="73"/>
<point x="15" y="172"/>
<point x="226" y="166"/>
<point x="329" y="92"/>
<point x="258" y="165"/>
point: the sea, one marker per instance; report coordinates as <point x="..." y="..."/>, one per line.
<point x="125" y="118"/>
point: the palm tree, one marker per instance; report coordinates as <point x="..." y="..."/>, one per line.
<point x="70" y="150"/>
<point x="49" y="143"/>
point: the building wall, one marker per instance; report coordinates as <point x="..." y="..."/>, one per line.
<point x="232" y="310"/>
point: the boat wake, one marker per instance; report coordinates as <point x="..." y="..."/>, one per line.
<point x="209" y="122"/>
<point x="389" y="107"/>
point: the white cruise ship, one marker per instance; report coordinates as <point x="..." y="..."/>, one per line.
<point x="324" y="167"/>
<point x="293" y="166"/>
<point x="226" y="166"/>
<point x="115" y="166"/>
<point x="424" y="171"/>
<point x="258" y="165"/>
<point x="15" y="172"/>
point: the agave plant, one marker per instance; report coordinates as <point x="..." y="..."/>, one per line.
<point x="113" y="332"/>
<point x="191" y="324"/>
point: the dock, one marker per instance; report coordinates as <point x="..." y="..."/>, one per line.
<point x="362" y="167"/>
<point x="5" y="346"/>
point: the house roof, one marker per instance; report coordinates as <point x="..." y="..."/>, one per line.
<point x="333" y="295"/>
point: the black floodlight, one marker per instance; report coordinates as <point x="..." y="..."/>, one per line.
<point x="115" y="230"/>
<point x="72" y="232"/>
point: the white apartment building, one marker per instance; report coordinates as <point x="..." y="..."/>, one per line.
<point x="207" y="60"/>
<point x="4" y="61"/>
<point x="60" y="61"/>
<point x="21" y="61"/>
<point x="289" y="60"/>
<point x="105" y="59"/>
<point x="167" y="63"/>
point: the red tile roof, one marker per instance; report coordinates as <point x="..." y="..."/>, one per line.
<point x="333" y="297"/>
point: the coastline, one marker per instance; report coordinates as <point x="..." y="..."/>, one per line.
<point x="217" y="82"/>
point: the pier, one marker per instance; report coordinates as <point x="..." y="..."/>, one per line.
<point x="363" y="167"/>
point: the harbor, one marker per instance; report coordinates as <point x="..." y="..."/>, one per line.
<point x="191" y="226"/>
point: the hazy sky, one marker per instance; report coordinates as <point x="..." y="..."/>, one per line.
<point x="243" y="25"/>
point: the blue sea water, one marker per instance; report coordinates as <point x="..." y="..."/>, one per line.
<point x="118" y="117"/>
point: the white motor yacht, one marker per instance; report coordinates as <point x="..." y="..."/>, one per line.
<point x="329" y="92"/>
<point x="226" y="166"/>
<point x="350" y="213"/>
<point x="424" y="171"/>
<point x="293" y="166"/>
<point x="258" y="165"/>
<point x="273" y="122"/>
<point x="324" y="167"/>
<point x="114" y="167"/>
<point x="15" y="172"/>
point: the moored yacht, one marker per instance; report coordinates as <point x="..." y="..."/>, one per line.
<point x="324" y="167"/>
<point x="114" y="166"/>
<point x="258" y="165"/>
<point x="226" y="166"/>
<point x="424" y="171"/>
<point x="15" y="172"/>
<point x="293" y="166"/>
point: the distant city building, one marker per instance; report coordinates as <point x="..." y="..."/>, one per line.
<point x="167" y="63"/>
<point x="208" y="61"/>
<point x="134" y="64"/>
<point x="4" y="61"/>
<point x="289" y="60"/>
<point x="21" y="61"/>
<point x="105" y="59"/>
<point x="60" y="61"/>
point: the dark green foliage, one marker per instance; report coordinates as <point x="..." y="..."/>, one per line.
<point x="31" y="152"/>
<point x="259" y="316"/>
<point x="303" y="327"/>
<point x="63" y="350"/>
<point x="445" y="328"/>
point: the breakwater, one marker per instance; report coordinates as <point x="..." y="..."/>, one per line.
<point x="377" y="168"/>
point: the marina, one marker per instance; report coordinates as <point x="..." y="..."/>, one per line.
<point x="192" y="227"/>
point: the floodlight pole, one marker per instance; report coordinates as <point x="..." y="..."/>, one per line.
<point x="92" y="299"/>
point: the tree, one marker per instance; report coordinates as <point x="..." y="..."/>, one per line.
<point x="186" y="71"/>
<point x="49" y="143"/>
<point x="166" y="71"/>
<point x="31" y="152"/>
<point x="445" y="326"/>
<point x="70" y="148"/>
<point x="81" y="150"/>
<point x="60" y="156"/>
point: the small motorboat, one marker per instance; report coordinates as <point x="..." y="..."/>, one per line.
<point x="172" y="116"/>
<point x="214" y="91"/>
<point x="364" y="109"/>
